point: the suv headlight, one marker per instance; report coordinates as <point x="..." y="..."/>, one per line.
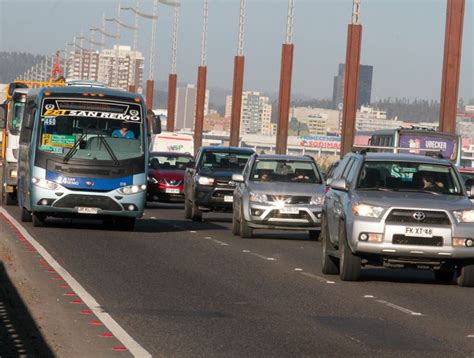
<point x="45" y="184"/>
<point x="317" y="199"/>
<point x="132" y="189"/>
<point x="368" y="211"/>
<point x="206" y="181"/>
<point x="465" y="216"/>
<point x="258" y="198"/>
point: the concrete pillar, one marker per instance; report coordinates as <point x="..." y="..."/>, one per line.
<point x="284" y="98"/>
<point x="451" y="65"/>
<point x="172" y="83"/>
<point x="200" y="102"/>
<point x="238" y="86"/>
<point x="150" y="84"/>
<point x="351" y="85"/>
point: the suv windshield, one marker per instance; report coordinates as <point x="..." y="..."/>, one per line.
<point x="170" y="162"/>
<point x="224" y="160"/>
<point x="409" y="176"/>
<point x="285" y="171"/>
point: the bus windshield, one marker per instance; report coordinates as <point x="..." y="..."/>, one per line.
<point x="91" y="135"/>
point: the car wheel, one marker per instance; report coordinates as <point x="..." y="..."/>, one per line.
<point x="330" y="265"/>
<point x="444" y="275"/>
<point x="187" y="208"/>
<point x="196" y="214"/>
<point x="349" y="264"/>
<point x="235" y="223"/>
<point x="314" y="235"/>
<point x="39" y="219"/>
<point x="246" y="231"/>
<point x="25" y="215"/>
<point x="466" y="276"/>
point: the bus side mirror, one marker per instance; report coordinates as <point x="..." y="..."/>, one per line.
<point x="156" y="124"/>
<point x="3" y="117"/>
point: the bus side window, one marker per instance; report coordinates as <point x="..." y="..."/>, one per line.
<point x="27" y="123"/>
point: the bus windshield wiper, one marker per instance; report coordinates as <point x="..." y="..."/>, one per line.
<point x="109" y="149"/>
<point x="74" y="148"/>
<point x="376" y="189"/>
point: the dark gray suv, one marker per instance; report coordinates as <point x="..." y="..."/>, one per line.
<point x="398" y="210"/>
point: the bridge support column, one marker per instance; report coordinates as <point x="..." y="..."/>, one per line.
<point x="150" y="84"/>
<point x="200" y="103"/>
<point x="239" y="63"/>
<point x="172" y="83"/>
<point x="451" y="65"/>
<point x="351" y="85"/>
<point x="285" y="98"/>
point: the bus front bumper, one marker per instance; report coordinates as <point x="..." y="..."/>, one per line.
<point x="70" y="203"/>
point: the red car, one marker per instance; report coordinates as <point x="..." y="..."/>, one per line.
<point x="166" y="175"/>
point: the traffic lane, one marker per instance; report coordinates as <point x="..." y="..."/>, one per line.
<point x="414" y="291"/>
<point x="182" y="294"/>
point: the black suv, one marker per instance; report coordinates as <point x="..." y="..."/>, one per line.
<point x="208" y="186"/>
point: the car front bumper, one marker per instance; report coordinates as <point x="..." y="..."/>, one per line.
<point x="289" y="217"/>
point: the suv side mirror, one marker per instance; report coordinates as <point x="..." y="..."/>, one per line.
<point x="339" y="184"/>
<point x="238" y="178"/>
<point x="470" y="192"/>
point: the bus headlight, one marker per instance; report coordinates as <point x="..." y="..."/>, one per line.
<point x="45" y="184"/>
<point x="132" y="189"/>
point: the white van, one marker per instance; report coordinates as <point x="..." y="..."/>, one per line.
<point x="172" y="142"/>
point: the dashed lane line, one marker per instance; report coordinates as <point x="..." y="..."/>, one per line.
<point x="133" y="346"/>
<point x="316" y="277"/>
<point x="394" y="306"/>
<point x="220" y="242"/>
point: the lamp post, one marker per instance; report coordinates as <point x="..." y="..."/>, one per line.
<point x="238" y="83"/>
<point x="285" y="83"/>
<point x="201" y="82"/>
<point x="173" y="77"/>
<point x="351" y="80"/>
<point x="451" y="65"/>
<point x="154" y="18"/>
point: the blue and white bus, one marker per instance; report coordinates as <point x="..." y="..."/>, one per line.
<point x="84" y="152"/>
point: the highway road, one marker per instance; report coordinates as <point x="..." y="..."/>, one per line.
<point x="184" y="289"/>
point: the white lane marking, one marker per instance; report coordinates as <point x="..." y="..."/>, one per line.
<point x="221" y="243"/>
<point x="320" y="279"/>
<point x="246" y="251"/>
<point x="153" y="218"/>
<point x="470" y="336"/>
<point x="193" y="232"/>
<point x="271" y="259"/>
<point x="258" y="255"/>
<point x="133" y="346"/>
<point x="396" y="307"/>
<point x="208" y="238"/>
<point x="298" y="269"/>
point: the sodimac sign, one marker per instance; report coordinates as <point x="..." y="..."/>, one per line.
<point x="322" y="142"/>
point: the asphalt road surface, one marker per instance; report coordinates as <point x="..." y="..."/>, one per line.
<point x="184" y="289"/>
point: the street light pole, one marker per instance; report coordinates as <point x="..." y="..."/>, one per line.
<point x="351" y="80"/>
<point x="201" y="82"/>
<point x="285" y="83"/>
<point x="238" y="83"/>
<point x="173" y="76"/>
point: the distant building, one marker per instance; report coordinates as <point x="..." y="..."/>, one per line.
<point x="101" y="66"/>
<point x="215" y="123"/>
<point x="186" y="107"/>
<point x="256" y="113"/>
<point x="365" y="86"/>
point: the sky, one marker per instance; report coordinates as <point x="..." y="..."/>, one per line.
<point x="402" y="39"/>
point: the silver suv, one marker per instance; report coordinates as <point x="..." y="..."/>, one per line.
<point x="398" y="210"/>
<point x="278" y="192"/>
